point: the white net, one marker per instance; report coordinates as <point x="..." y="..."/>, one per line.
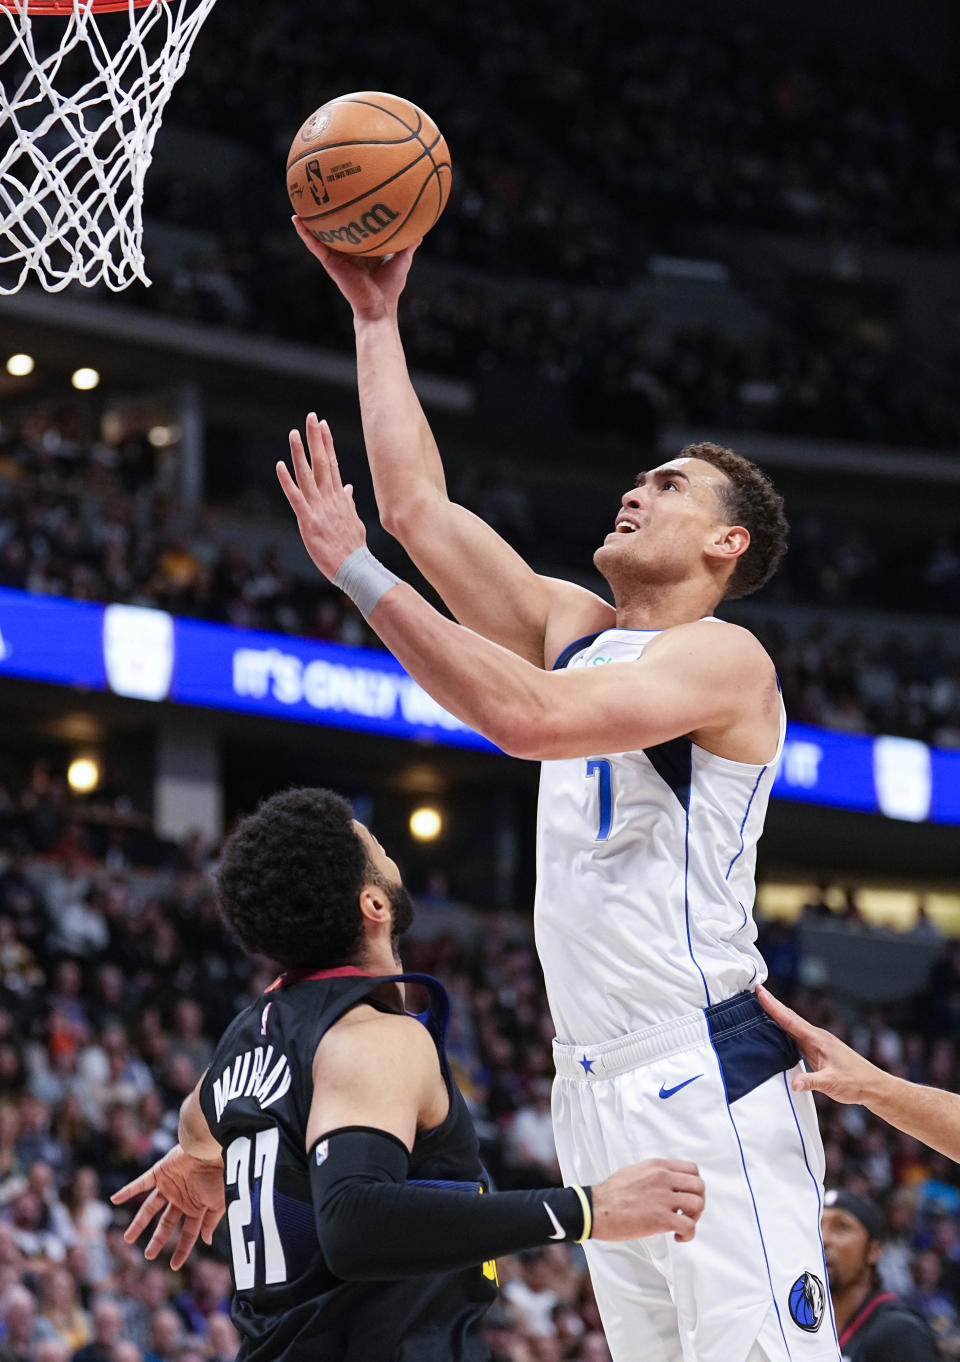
<point x="82" y="94"/>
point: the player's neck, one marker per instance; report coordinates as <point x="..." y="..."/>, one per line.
<point x="378" y="957"/>
<point x="658" y="605"/>
<point x="848" y="1301"/>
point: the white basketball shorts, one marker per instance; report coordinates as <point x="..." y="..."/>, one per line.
<point x="712" y="1087"/>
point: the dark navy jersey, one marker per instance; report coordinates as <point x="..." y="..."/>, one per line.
<point x="256" y="1098"/>
<point x="884" y="1329"/>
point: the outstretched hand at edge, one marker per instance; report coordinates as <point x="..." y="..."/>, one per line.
<point x="179" y="1187"/>
<point x="835" y="1069"/>
<point x="371" y="284"/>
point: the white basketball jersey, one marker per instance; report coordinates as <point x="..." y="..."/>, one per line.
<point x="645" y="875"/>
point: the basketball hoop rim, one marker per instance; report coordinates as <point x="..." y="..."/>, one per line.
<point x="64" y="7"/>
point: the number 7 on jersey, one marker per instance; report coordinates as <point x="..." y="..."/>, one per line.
<point x="600" y="767"/>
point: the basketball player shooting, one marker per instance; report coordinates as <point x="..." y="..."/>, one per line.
<point x="330" y="1118"/>
<point x="659" y="728"/>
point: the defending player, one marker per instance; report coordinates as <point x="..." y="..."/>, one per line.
<point x="350" y="1160"/>
<point x="659" y="728"/>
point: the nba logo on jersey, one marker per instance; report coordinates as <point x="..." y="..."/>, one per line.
<point x="807" y="1300"/>
<point x="323" y="1149"/>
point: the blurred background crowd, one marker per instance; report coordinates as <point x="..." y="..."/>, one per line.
<point x="742" y="227"/>
<point x="597" y="161"/>
<point x="89" y="518"/>
<point x="114" y="986"/>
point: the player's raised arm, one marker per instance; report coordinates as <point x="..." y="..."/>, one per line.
<point x="928" y="1114"/>
<point x="484" y="582"/>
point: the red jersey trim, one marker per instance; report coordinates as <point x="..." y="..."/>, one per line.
<point x="860" y="1320"/>
<point x="306" y="976"/>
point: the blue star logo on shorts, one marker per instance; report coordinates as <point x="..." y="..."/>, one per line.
<point x="587" y="1064"/>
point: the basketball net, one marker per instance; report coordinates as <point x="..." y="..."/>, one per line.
<point x="83" y="86"/>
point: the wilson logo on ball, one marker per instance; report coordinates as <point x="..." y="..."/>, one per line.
<point x="372" y="221"/>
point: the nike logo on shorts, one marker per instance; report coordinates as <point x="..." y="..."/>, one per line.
<point x="668" y="1092"/>
<point x="560" y="1232"/>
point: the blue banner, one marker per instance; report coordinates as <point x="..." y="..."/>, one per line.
<point x="149" y="655"/>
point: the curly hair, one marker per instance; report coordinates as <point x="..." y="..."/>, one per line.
<point x="289" y="880"/>
<point x="751" y="500"/>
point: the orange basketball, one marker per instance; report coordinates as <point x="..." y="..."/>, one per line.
<point x="369" y="173"/>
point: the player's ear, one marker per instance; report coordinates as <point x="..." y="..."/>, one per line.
<point x="728" y="542"/>
<point x="875" y="1251"/>
<point x="375" y="905"/>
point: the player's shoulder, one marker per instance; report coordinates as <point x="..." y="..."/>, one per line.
<point x="384" y="1042"/>
<point x="717" y="641"/>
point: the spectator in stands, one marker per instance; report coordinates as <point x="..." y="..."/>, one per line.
<point x="166" y="1335"/>
<point x="107" y="1329"/>
<point x="872" y="1324"/>
<point x="61" y="1309"/>
<point x="531" y="1295"/>
<point x="531" y="1151"/>
<point x="207" y="1293"/>
<point x="80" y="1217"/>
<point x="222" y="1338"/>
<point x="22" y="1330"/>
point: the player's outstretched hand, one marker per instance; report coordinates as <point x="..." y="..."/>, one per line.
<point x="835" y="1069"/>
<point x="180" y="1187"/>
<point x="371" y="285"/>
<point x="654" y="1197"/>
<point x="326" y="516"/>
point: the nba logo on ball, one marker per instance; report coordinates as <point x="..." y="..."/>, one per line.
<point x="806" y="1302"/>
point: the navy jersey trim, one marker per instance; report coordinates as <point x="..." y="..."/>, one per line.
<point x="749" y="1045"/>
<point x="673" y="762"/>
<point x="571" y="650"/>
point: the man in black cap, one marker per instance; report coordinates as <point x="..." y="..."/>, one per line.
<point x="873" y="1325"/>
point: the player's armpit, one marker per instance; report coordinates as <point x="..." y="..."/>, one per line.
<point x="379" y="1070"/>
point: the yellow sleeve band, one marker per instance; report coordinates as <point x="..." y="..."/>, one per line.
<point x="587" y="1212"/>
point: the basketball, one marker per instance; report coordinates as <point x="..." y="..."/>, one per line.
<point x="369" y="173"/>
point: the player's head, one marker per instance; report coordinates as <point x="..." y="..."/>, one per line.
<point x="853" y="1234"/>
<point x="708" y="514"/>
<point x="305" y="884"/>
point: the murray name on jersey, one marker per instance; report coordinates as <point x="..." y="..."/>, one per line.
<point x="256" y="1074"/>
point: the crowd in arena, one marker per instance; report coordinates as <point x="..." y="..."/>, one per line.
<point x="80" y="516"/>
<point x="731" y="124"/>
<point x="116" y="982"/>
